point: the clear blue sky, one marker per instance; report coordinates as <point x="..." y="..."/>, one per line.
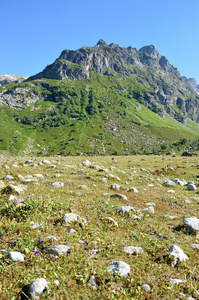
<point x="34" y="32"/>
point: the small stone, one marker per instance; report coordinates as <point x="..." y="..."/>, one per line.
<point x="18" y="203"/>
<point x="58" y="184"/>
<point x="175" y="281"/>
<point x="92" y="283"/>
<point x="120" y="267"/>
<point x="71" y="231"/>
<point x="125" y="209"/>
<point x="171" y="191"/>
<point x="36" y="225"/>
<point x="56" y="282"/>
<point x="195" y="246"/>
<point x="149" y="210"/>
<point x="132" y="189"/>
<point x="191" y="187"/>
<point x="132" y="250"/>
<point x="169" y="183"/>
<point x="37" y="287"/>
<point x="111" y="221"/>
<point x="120" y="196"/>
<point x="115" y="186"/>
<point x="146" y="287"/>
<point x="70" y="218"/>
<point x="178" y="255"/>
<point x="8" y="177"/>
<point x="45" y="161"/>
<point x="150" y="204"/>
<point x="192" y="224"/>
<point x="58" y="249"/>
<point x="86" y="163"/>
<point x="16" y="256"/>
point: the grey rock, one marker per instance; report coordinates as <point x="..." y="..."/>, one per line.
<point x="16" y="256"/>
<point x="37" y="287"/>
<point x="169" y="183"/>
<point x="175" y="281"/>
<point x="18" y="203"/>
<point x="180" y="182"/>
<point x="70" y="218"/>
<point x="120" y="267"/>
<point x="132" y="250"/>
<point x="119" y="196"/>
<point x="125" y="209"/>
<point x="8" y="177"/>
<point x="58" y="184"/>
<point x="146" y="287"/>
<point x="86" y="163"/>
<point x="36" y="225"/>
<point x="192" y="224"/>
<point x="191" y="187"/>
<point x="148" y="210"/>
<point x="178" y="255"/>
<point x="195" y="246"/>
<point x="92" y="283"/>
<point x="132" y="189"/>
<point x="115" y="186"/>
<point x="58" y="249"/>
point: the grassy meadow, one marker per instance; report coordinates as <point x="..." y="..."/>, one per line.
<point x="87" y="192"/>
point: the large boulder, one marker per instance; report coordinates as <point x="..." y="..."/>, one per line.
<point x="192" y="224"/>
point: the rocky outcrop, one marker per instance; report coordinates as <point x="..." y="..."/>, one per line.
<point x="4" y="79"/>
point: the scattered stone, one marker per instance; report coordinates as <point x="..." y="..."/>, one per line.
<point x="149" y="210"/>
<point x="58" y="184"/>
<point x="71" y="231"/>
<point x="20" y="177"/>
<point x="146" y="287"/>
<point x="180" y="182"/>
<point x="12" y="198"/>
<point x="8" y="177"/>
<point x="45" y="161"/>
<point x="191" y="187"/>
<point x="39" y="175"/>
<point x="115" y="186"/>
<point x="16" y="256"/>
<point x="111" y="221"/>
<point x="120" y="267"/>
<point x="81" y="186"/>
<point x="18" y="203"/>
<point x="169" y="183"/>
<point x="150" y="204"/>
<point x="192" y="224"/>
<point x="132" y="250"/>
<point x="92" y="283"/>
<point x="70" y="218"/>
<point x="13" y="189"/>
<point x="58" y="249"/>
<point x="56" y="282"/>
<point x="178" y="255"/>
<point x="195" y="246"/>
<point x="96" y="167"/>
<point x="120" y="196"/>
<point x="125" y="209"/>
<point x="132" y="189"/>
<point x="37" y="287"/>
<point x="86" y="163"/>
<point x="36" y="225"/>
<point x="175" y="281"/>
<point x="171" y="191"/>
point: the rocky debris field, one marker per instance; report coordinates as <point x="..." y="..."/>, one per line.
<point x="99" y="227"/>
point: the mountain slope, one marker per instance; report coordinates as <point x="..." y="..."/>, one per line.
<point x="99" y="100"/>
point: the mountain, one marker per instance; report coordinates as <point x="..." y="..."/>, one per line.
<point x="194" y="84"/>
<point x="4" y="79"/>
<point x="104" y="99"/>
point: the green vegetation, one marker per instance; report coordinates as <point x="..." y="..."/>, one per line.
<point x="47" y="205"/>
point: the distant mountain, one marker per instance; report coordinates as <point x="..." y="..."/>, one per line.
<point x="4" y="79"/>
<point x="194" y="84"/>
<point x="104" y="99"/>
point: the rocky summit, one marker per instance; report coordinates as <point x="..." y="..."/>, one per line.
<point x="104" y="99"/>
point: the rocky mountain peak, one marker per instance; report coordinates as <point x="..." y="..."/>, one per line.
<point x="150" y="50"/>
<point x="101" y="43"/>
